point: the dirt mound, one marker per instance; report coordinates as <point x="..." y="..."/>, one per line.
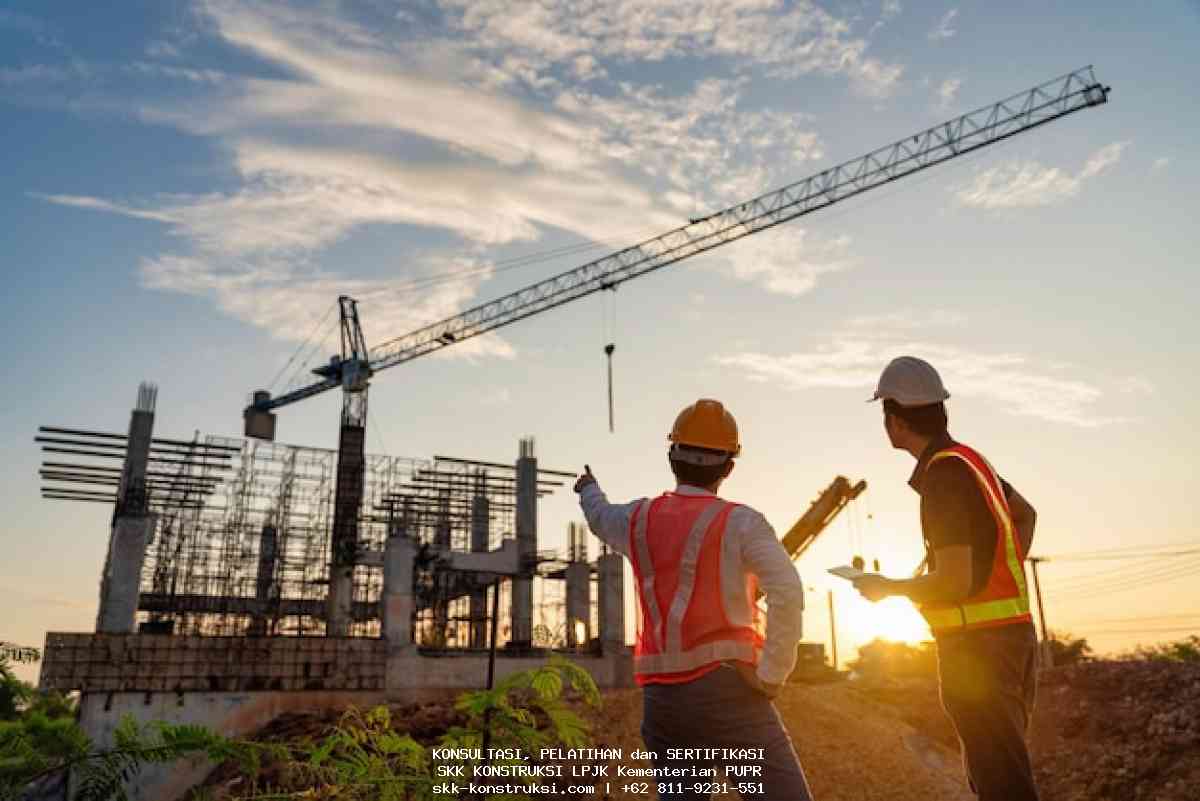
<point x="1102" y="731"/>
<point x="1119" y="731"/>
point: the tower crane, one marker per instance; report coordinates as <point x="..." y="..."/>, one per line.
<point x="352" y="369"/>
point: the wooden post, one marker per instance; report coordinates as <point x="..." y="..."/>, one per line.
<point x="833" y="631"/>
<point x="1047" y="655"/>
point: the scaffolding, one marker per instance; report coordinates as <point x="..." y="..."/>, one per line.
<point x="241" y="539"/>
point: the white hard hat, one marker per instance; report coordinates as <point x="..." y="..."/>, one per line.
<point x="910" y="381"/>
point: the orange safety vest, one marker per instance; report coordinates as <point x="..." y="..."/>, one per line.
<point x="697" y="608"/>
<point x="1004" y="599"/>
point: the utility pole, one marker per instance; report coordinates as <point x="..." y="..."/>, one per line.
<point x="833" y="631"/>
<point x="1047" y="656"/>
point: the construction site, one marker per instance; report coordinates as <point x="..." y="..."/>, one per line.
<point x="249" y="582"/>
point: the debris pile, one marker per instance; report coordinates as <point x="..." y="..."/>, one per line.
<point x="1125" y="730"/>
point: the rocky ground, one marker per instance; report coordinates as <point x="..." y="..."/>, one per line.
<point x="1103" y="731"/>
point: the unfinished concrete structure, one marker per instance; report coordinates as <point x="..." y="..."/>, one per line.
<point x="215" y="602"/>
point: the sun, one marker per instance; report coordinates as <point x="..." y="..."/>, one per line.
<point x="891" y="619"/>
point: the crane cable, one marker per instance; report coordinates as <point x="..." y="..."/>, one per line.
<point x="301" y="346"/>
<point x="608" y="325"/>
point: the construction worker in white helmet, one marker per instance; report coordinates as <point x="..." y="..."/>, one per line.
<point x="977" y="531"/>
<point x="707" y="671"/>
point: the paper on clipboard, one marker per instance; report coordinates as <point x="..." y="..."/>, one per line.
<point x="847" y="572"/>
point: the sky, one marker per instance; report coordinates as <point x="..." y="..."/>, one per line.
<point x="190" y="185"/>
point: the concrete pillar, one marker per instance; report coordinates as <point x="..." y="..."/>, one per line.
<point x="398" y="602"/>
<point x="268" y="547"/>
<point x="132" y="526"/>
<point x="123" y="574"/>
<point x="579" y="604"/>
<point x="131" y="496"/>
<point x="480" y="512"/>
<point x="347" y="501"/>
<point x="611" y="567"/>
<point x="522" y="585"/>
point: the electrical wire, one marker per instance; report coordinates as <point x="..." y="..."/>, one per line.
<point x="1090" y="579"/>
<point x="1093" y="632"/>
<point x="1139" y="581"/>
<point x="1125" y="549"/>
<point x="1161" y="619"/>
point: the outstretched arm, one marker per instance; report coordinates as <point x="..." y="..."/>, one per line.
<point x="950" y="582"/>
<point x="608" y="521"/>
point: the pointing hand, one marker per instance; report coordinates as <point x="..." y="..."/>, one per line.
<point x="585" y="478"/>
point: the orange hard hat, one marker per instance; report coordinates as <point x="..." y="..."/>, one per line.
<point x="707" y="424"/>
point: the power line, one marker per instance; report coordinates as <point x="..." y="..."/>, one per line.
<point x="1161" y="574"/>
<point x="1102" y="556"/>
<point x="1134" y="549"/>
<point x="1168" y="630"/>
<point x="1146" y="619"/>
<point x="1139" y="581"/>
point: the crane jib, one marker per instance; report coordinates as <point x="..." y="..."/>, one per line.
<point x="984" y="126"/>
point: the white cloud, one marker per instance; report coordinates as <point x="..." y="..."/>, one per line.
<point x="504" y="125"/>
<point x="1029" y="184"/>
<point x="889" y="10"/>
<point x="948" y="92"/>
<point x="786" y="39"/>
<point x="1159" y="164"/>
<point x="852" y="359"/>
<point x="1135" y="385"/>
<point x="943" y="30"/>
<point x="284" y="299"/>
<point x="783" y="262"/>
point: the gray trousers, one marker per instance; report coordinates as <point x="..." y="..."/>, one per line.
<point x="719" y="710"/>
<point x="988" y="684"/>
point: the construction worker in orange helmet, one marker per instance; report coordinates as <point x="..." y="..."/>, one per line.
<point x="708" y="674"/>
<point x="977" y="530"/>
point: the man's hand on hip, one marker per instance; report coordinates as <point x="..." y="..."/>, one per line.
<point x="751" y="678"/>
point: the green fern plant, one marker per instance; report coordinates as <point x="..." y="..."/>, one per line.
<point x="38" y="747"/>
<point x="363" y="757"/>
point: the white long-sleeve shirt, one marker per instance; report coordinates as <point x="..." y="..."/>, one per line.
<point x="758" y="551"/>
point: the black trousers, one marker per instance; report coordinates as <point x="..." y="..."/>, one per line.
<point x="719" y="710"/>
<point x="988" y="684"/>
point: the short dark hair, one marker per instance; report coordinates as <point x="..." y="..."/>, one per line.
<point x="928" y="421"/>
<point x="698" y="475"/>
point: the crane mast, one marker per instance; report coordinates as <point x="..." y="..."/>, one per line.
<point x="352" y="369"/>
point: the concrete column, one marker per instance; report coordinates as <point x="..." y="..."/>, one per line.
<point x="522" y="585"/>
<point x="268" y="546"/>
<point x="612" y="602"/>
<point x="131" y="497"/>
<point x="123" y="574"/>
<point x="579" y="604"/>
<point x="132" y="503"/>
<point x="398" y="602"/>
<point x="480" y="512"/>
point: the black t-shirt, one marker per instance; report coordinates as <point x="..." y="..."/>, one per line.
<point x="954" y="512"/>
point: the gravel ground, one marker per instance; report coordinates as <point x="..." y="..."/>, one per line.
<point x="852" y="748"/>
<point x="1102" y="731"/>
